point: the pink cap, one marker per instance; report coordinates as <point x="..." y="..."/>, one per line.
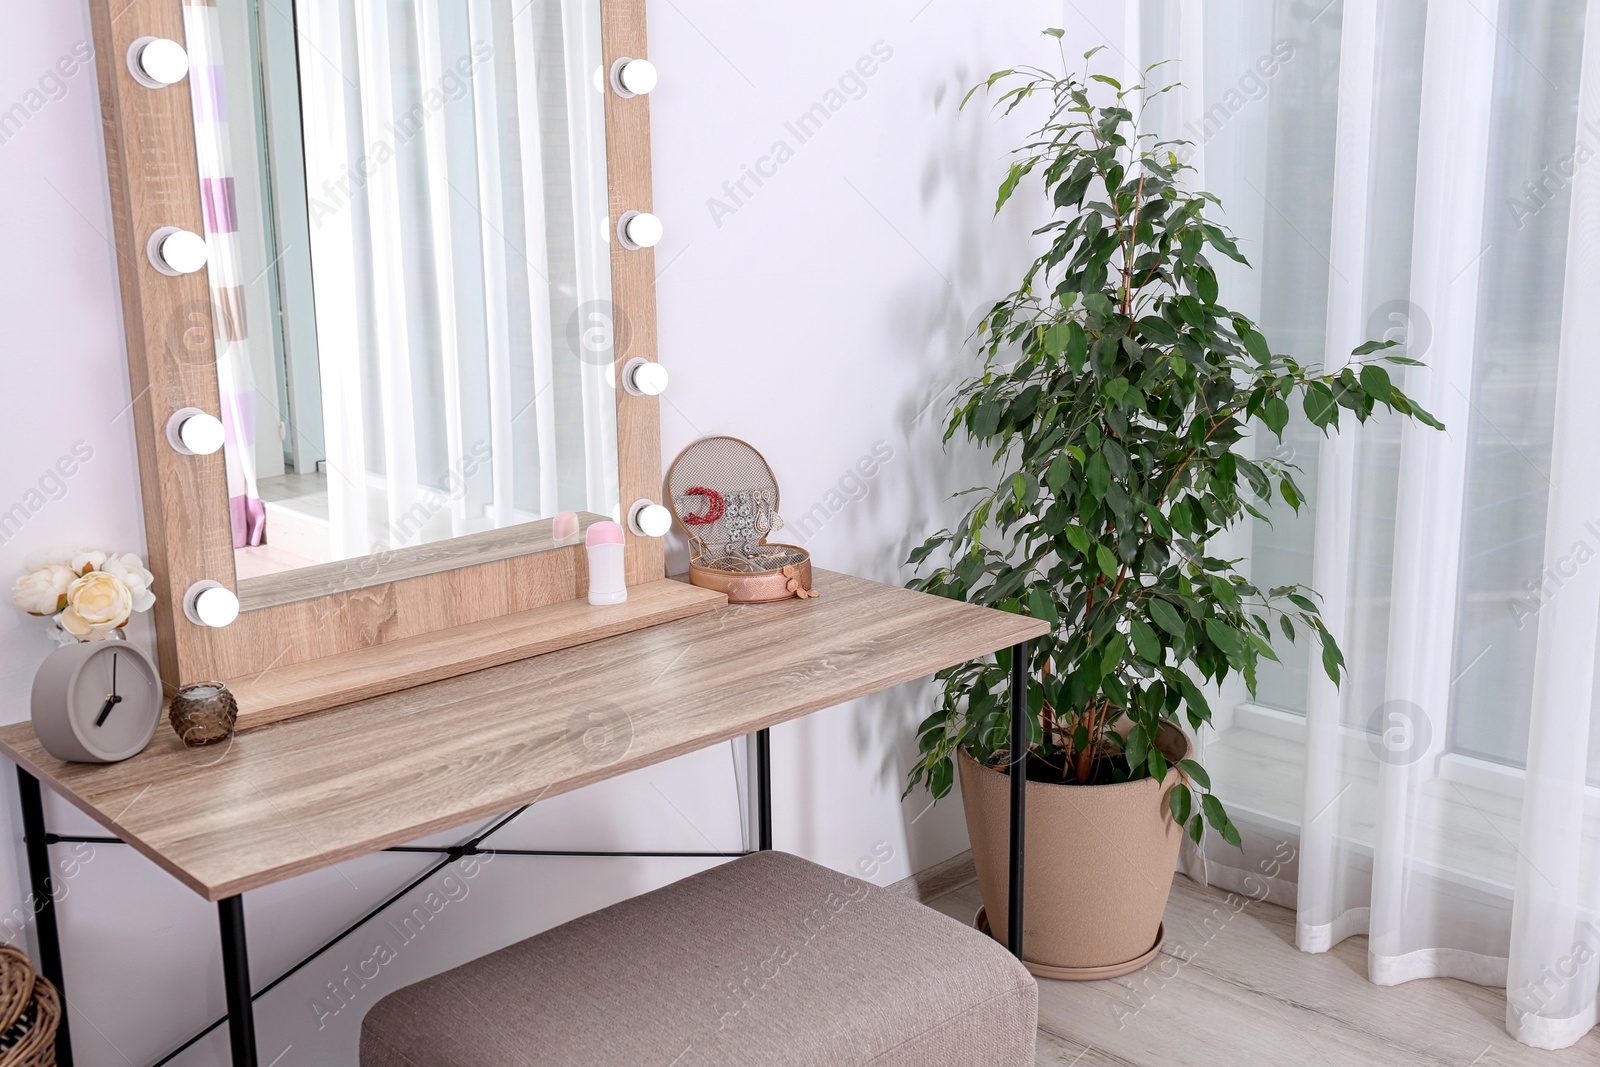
<point x="603" y="533"/>
<point x="565" y="525"/>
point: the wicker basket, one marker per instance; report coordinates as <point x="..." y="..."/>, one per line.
<point x="29" y="1013"/>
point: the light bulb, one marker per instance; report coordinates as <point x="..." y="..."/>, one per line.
<point x="635" y="77"/>
<point x="649" y="519"/>
<point x="156" y="62"/>
<point x="173" y="251"/>
<point x="210" y="603"/>
<point x="641" y="377"/>
<point x="192" y="432"/>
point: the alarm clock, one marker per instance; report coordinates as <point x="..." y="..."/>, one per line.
<point x="96" y="702"/>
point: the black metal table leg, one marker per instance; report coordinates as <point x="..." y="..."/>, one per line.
<point x="1019" y="781"/>
<point x="236" y="980"/>
<point x="37" y="846"/>
<point x="764" y="790"/>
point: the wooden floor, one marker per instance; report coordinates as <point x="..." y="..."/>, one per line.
<point x="1231" y="990"/>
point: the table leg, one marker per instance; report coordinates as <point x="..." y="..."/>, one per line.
<point x="236" y="980"/>
<point x="764" y="790"/>
<point x="1019" y="780"/>
<point x="37" y="845"/>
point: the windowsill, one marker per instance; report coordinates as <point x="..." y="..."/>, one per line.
<point x="1479" y="774"/>
<point x="1465" y="813"/>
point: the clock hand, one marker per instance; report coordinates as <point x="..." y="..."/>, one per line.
<point x="113" y="700"/>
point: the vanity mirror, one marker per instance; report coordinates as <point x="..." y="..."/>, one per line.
<point x="389" y="289"/>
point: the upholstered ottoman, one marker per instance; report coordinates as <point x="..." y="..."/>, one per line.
<point x="768" y="960"/>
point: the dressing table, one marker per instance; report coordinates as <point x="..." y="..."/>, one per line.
<point x="396" y="598"/>
<point x="313" y="791"/>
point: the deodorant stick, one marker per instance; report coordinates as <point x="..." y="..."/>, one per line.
<point x="607" y="580"/>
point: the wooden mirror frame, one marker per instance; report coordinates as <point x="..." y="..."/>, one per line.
<point x="290" y="658"/>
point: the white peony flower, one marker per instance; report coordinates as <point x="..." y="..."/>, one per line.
<point x="130" y="569"/>
<point x="97" y="603"/>
<point x="43" y="591"/>
<point x="84" y="562"/>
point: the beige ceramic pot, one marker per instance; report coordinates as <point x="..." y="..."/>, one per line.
<point x="1097" y="871"/>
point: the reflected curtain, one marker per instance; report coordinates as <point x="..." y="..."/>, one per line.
<point x="460" y="250"/>
<point x="1425" y="173"/>
<point x="235" y="380"/>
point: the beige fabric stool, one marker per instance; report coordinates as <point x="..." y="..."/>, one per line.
<point x="768" y="960"/>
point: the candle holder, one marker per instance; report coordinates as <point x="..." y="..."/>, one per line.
<point x="203" y="713"/>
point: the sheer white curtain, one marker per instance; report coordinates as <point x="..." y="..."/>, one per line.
<point x="1425" y="172"/>
<point x="459" y="236"/>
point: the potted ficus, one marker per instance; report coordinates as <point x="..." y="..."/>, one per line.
<point x="1118" y="398"/>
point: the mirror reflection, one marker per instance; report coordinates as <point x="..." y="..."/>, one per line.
<point x="406" y="211"/>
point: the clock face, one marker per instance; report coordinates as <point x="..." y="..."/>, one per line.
<point x="114" y="702"/>
<point x="96" y="702"/>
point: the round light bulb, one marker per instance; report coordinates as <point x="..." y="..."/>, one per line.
<point x="641" y="229"/>
<point x="644" y="378"/>
<point x="156" y="62"/>
<point x="192" y="432"/>
<point x="637" y="76"/>
<point x="173" y="251"/>
<point x="649" y="519"/>
<point x="210" y="603"/>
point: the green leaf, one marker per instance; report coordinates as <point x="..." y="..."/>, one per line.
<point x="1156" y="764"/>
<point x="1190" y="241"/>
<point x="1179" y="801"/>
<point x="1375" y="380"/>
<point x="1320" y="406"/>
<point x="1097" y="476"/>
<point x="1041" y="605"/>
<point x="1115" y="651"/>
<point x="1225" y="638"/>
<point x="1197" y="772"/>
<point x="1059" y="473"/>
<point x="1009" y="186"/>
<point x="1218" y="818"/>
<point x="1290" y="495"/>
<point x="1166" y="617"/>
<point x="1078" y="537"/>
<point x="1057" y="337"/>
<point x="1107" y="561"/>
<point x="1275" y="413"/>
<point x="1256" y="345"/>
<point x="1157" y="329"/>
<point x="1145" y="641"/>
<point x="1137" y="746"/>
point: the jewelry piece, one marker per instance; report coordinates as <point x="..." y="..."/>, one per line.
<point x="714" y="506"/>
<point x="741" y="524"/>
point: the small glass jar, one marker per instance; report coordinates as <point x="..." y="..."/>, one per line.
<point x="203" y="713"/>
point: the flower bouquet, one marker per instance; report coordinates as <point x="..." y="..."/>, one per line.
<point x="90" y="595"/>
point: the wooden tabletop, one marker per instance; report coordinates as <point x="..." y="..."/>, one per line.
<point x="301" y="795"/>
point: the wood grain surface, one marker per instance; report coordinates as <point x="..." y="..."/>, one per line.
<point x="412" y="561"/>
<point x="303" y="794"/>
<point x="302" y="688"/>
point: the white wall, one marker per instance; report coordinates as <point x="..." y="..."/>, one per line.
<point x="820" y="316"/>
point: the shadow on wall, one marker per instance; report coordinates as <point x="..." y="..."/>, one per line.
<point x="989" y="253"/>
